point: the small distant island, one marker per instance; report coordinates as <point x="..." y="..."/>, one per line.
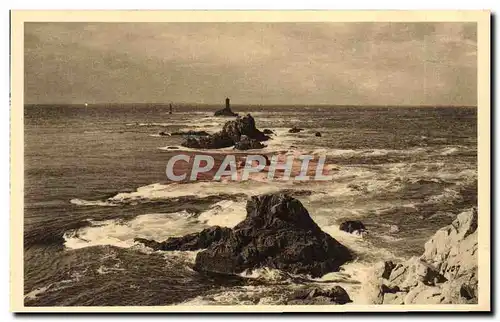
<point x="226" y="111"/>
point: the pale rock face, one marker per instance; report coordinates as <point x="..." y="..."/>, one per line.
<point x="446" y="273"/>
<point x="453" y="249"/>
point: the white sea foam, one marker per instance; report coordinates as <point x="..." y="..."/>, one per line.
<point x="449" y="151"/>
<point x="360" y="245"/>
<point x="225" y="213"/>
<point x="268" y="274"/>
<point x="82" y="202"/>
<point x="149" y="124"/>
<point x="122" y="233"/>
<point x="243" y="295"/>
<point x="103" y="270"/>
<point x="154" y="226"/>
<point x="199" y="189"/>
<point x="36" y="292"/>
<point x="366" y="152"/>
<point x="448" y="195"/>
<point x="210" y="151"/>
<point x="158" y="135"/>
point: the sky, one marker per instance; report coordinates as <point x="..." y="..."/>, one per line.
<point x="252" y="63"/>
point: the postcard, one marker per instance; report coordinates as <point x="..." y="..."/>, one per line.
<point x="250" y="161"/>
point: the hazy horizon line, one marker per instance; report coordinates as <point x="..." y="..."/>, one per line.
<point x="179" y="104"/>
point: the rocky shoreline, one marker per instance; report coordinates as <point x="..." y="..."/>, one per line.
<point x="279" y="233"/>
<point x="446" y="273"/>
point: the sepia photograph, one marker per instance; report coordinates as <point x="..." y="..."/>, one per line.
<point x="250" y="161"/>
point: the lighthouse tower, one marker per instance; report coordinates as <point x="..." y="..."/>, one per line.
<point x="227" y="103"/>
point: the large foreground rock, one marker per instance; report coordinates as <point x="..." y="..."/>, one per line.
<point x="446" y="273"/>
<point x="231" y="133"/>
<point x="277" y="233"/>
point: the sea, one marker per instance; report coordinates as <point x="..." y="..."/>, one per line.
<point x="95" y="179"/>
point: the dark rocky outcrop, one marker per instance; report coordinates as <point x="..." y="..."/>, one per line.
<point x="308" y="296"/>
<point x="191" y="132"/>
<point x="246" y="143"/>
<point x="318" y="134"/>
<point x="230" y="134"/>
<point x="215" y="141"/>
<point x="277" y="233"/>
<point x="295" y="130"/>
<point x="226" y="111"/>
<point x="352" y="226"/>
<point x="193" y="241"/>
<point x="386" y="269"/>
<point x="243" y="126"/>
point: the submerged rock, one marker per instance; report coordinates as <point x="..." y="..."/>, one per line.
<point x="318" y="134"/>
<point x="231" y="133"/>
<point x="162" y="133"/>
<point x="315" y="296"/>
<point x="352" y="226"/>
<point x="268" y="131"/>
<point x="193" y="241"/>
<point x="191" y="132"/>
<point x="277" y="233"/>
<point x="295" y="130"/>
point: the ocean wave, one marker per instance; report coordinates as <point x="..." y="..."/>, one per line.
<point x="448" y="151"/>
<point x="121" y="233"/>
<point x="211" y="151"/>
<point x="243" y="295"/>
<point x="33" y="295"/>
<point x="153" y="124"/>
<point x="159" y="226"/>
<point x="367" y="152"/>
<point x="455" y="149"/>
<point x="82" y="202"/>
<point x="447" y="196"/>
<point x="225" y="213"/>
<point x="158" y="135"/>
<point x="199" y="189"/>
<point x="197" y="123"/>
<point x="268" y="274"/>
